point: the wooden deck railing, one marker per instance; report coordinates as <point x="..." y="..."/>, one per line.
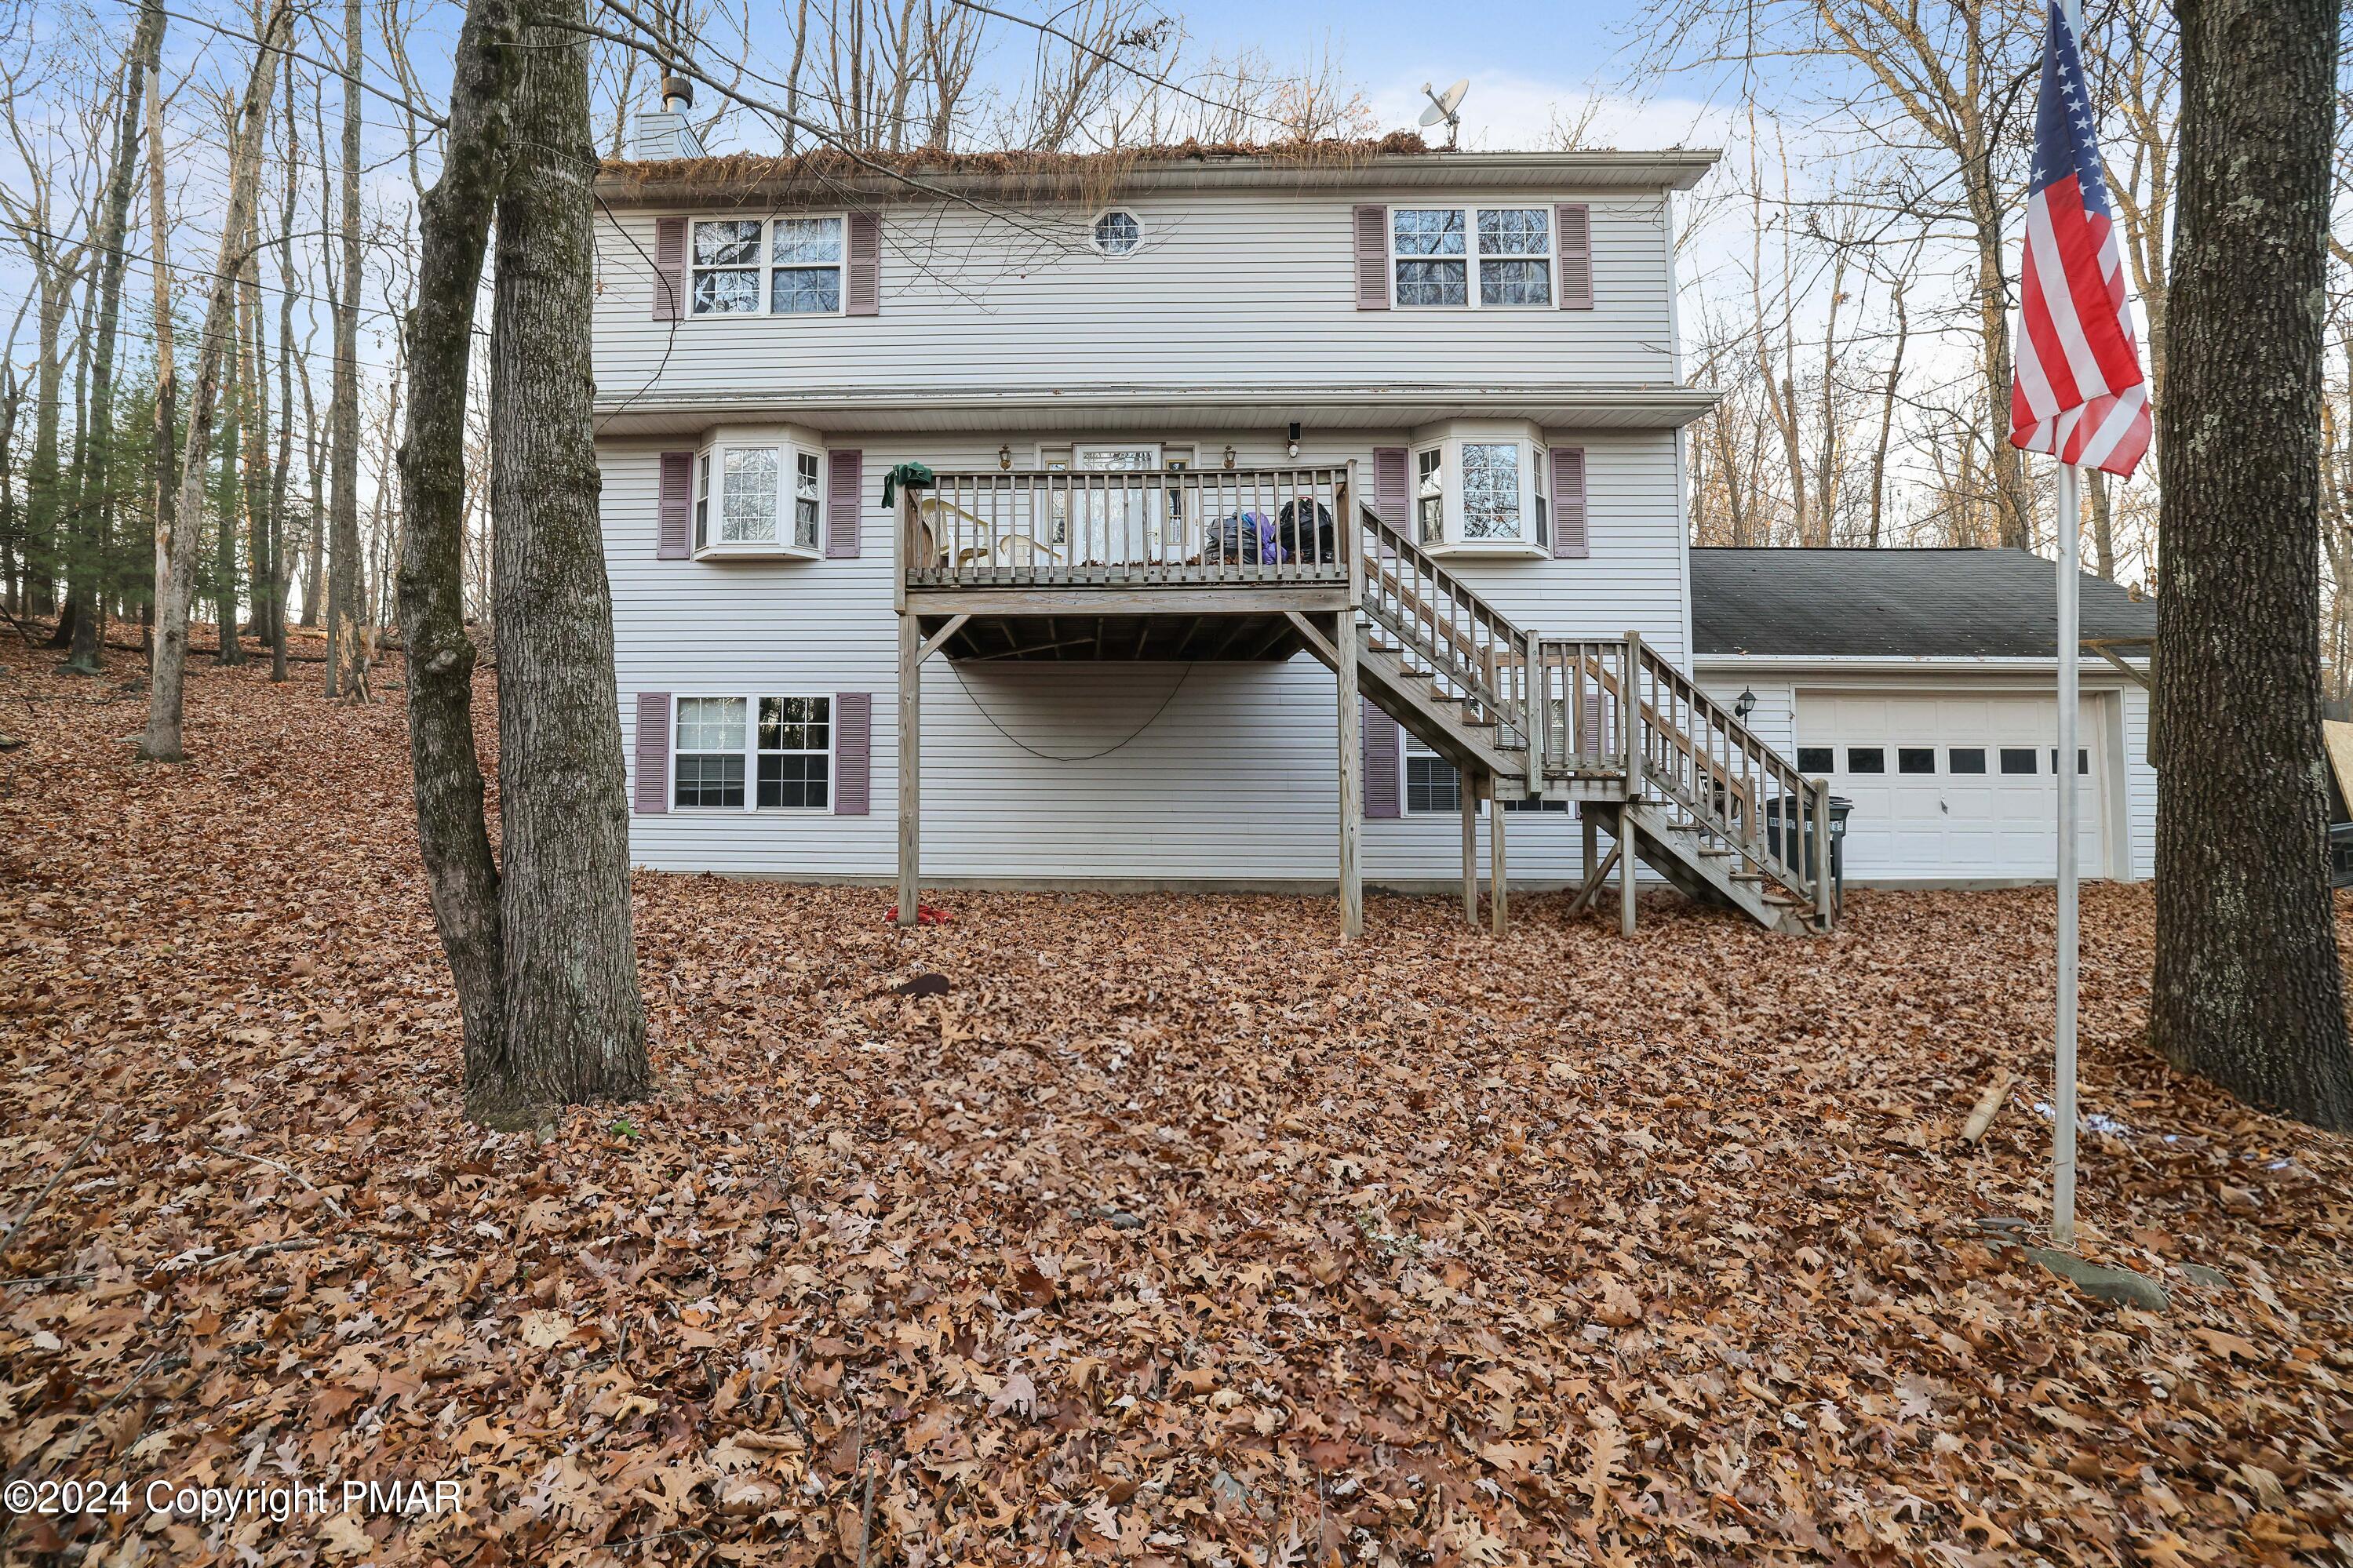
<point x="1470" y="652"/>
<point x="1683" y="748"/>
<point x="1208" y="527"/>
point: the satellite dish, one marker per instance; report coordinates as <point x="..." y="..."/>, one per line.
<point x="1442" y="106"/>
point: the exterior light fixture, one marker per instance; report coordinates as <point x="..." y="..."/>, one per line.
<point x="1005" y="457"/>
<point x="1293" y="446"/>
<point x="1744" y="705"/>
<point x="1230" y="456"/>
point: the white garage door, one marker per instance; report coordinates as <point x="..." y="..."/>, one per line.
<point x="1951" y="786"/>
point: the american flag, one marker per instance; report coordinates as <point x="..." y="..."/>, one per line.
<point x="2076" y="391"/>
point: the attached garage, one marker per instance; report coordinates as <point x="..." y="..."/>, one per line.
<point x="1951" y="784"/>
<point x="1920" y="683"/>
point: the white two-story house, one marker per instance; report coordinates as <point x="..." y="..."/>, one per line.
<point x="1161" y="520"/>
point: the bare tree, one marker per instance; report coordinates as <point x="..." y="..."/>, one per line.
<point x="540" y="940"/>
<point x="162" y="741"/>
<point x="89" y="627"/>
<point x="346" y="658"/>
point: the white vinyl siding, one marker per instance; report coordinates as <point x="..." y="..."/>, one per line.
<point x="1240" y="288"/>
<point x="1235" y="781"/>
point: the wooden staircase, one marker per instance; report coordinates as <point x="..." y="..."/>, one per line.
<point x="1605" y="723"/>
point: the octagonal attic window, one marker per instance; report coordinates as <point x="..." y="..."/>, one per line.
<point x="1117" y="233"/>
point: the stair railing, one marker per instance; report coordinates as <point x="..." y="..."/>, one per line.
<point x="1718" y="775"/>
<point x="1471" y="652"/>
<point x="1685" y="751"/>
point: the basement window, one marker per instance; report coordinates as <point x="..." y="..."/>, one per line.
<point x="752" y="754"/>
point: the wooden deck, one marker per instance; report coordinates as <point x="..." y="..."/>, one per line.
<point x="1249" y="564"/>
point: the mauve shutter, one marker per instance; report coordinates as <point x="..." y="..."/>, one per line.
<point x="1372" y="231"/>
<point x="653" y="752"/>
<point x="853" y="752"/>
<point x="844" y="472"/>
<point x="1384" y="790"/>
<point x="1568" y="531"/>
<point x="670" y="269"/>
<point x="1572" y="224"/>
<point x="1390" y="503"/>
<point x="674" y="509"/>
<point x="861" y="294"/>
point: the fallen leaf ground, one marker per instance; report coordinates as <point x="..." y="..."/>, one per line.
<point x="1171" y="1232"/>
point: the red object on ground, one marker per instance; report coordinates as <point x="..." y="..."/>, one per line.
<point x="925" y="915"/>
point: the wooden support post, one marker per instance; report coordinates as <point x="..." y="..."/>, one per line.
<point x="1467" y="783"/>
<point x="1626" y="859"/>
<point x="1590" y="816"/>
<point x="1352" y="773"/>
<point x="911" y="791"/>
<point x="1498" y="879"/>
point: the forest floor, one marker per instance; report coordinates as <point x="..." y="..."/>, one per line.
<point x="1171" y="1232"/>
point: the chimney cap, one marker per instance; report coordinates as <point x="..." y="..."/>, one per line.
<point x="677" y="91"/>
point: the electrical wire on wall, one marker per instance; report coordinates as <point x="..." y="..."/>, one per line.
<point x="1186" y="674"/>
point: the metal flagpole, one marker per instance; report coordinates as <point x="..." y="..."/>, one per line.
<point x="2063" y="1182"/>
<point x="2071" y="528"/>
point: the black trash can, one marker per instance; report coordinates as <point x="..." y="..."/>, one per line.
<point x="1794" y="841"/>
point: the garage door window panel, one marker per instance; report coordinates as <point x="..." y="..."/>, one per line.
<point x="1866" y="760"/>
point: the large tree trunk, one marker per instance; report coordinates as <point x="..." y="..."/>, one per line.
<point x="228" y="503"/>
<point x="344" y="656"/>
<point x="575" y="1024"/>
<point x="260" y="569"/>
<point x="162" y="743"/>
<point x="166" y="470"/>
<point x="454" y="225"/>
<point x="41" y="475"/>
<point x="2249" y="990"/>
<point x="314" y="528"/>
<point x="90" y="631"/>
<point x="279" y="574"/>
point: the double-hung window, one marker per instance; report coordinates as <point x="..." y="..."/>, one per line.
<point x="1433" y="784"/>
<point x="747" y="753"/>
<point x="776" y="266"/>
<point x="1471" y="258"/>
<point x="758" y="499"/>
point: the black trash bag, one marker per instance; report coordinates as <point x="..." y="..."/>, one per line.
<point x="1247" y="539"/>
<point x="1303" y="536"/>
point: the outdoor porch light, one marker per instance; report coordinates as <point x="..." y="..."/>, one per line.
<point x="1294" y="448"/>
<point x="1744" y="705"/>
<point x="1005" y="457"/>
<point x="1230" y="456"/>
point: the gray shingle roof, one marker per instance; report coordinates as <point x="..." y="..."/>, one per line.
<point x="1950" y="603"/>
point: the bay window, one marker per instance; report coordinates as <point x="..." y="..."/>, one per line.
<point x="776" y="267"/>
<point x="1433" y="252"/>
<point x="1483" y="488"/>
<point x="758" y="498"/>
<point x="752" y="754"/>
